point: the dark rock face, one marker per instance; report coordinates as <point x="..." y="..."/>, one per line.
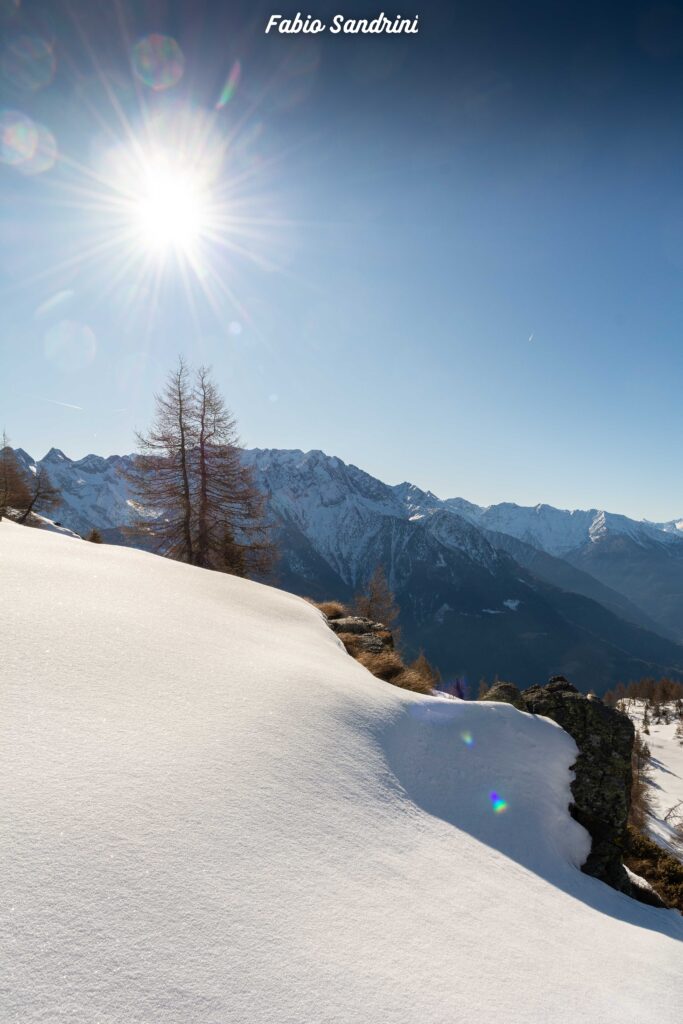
<point x="602" y="784"/>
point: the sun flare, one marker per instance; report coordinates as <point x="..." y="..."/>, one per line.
<point x="171" y="209"/>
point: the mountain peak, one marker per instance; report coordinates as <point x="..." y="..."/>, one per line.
<point x="55" y="455"/>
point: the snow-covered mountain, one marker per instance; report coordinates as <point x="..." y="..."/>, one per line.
<point x="94" y="490"/>
<point x="480" y="601"/>
<point x="218" y="815"/>
<point x="560" y="532"/>
<point x="312" y="488"/>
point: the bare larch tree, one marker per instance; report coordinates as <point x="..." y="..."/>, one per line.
<point x="190" y="474"/>
<point x="14" y="491"/>
<point x="43" y="495"/>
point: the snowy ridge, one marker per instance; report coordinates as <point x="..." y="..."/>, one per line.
<point x="335" y="504"/>
<point x="94" y="491"/>
<point x="558" y="531"/>
<point x="217" y="815"/>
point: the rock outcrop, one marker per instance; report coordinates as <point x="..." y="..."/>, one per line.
<point x="602" y="785"/>
<point x="366" y="635"/>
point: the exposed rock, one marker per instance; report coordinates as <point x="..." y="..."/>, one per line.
<point x="602" y="783"/>
<point x="361" y="634"/>
<point x="356" y="624"/>
<point x="374" y="642"/>
<point x="507" y="693"/>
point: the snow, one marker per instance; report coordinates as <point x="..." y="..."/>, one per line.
<point x="638" y="880"/>
<point x="560" y="531"/>
<point x="665" y="788"/>
<point x="216" y="815"/>
<point x="338" y="507"/>
<point x="512" y="603"/>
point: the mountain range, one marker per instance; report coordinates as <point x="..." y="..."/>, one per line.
<point x="504" y="590"/>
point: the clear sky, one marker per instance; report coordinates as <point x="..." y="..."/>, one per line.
<point x="454" y="257"/>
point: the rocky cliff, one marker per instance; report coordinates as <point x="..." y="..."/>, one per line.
<point x="602" y="785"/>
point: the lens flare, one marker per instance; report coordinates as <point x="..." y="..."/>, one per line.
<point x="18" y="138"/>
<point x="230" y="86"/>
<point x="45" y="154"/>
<point x="467" y="738"/>
<point x="28" y="63"/>
<point x="498" y="803"/>
<point x="158" y="61"/>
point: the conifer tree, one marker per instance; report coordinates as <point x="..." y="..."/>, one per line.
<point x="198" y="502"/>
<point x="42" y="494"/>
<point x="14" y="491"/>
<point x="426" y="671"/>
<point x="231" y="533"/>
<point x="377" y="601"/>
<point x="160" y="477"/>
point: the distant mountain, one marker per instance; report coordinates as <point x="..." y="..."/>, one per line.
<point x="480" y="600"/>
<point x="641" y="561"/>
<point x="566" y="576"/>
<point x="94" y="491"/>
<point x="560" y="532"/>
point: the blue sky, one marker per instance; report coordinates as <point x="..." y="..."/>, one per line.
<point x="465" y="248"/>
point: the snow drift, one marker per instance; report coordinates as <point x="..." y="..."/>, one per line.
<point x="212" y="814"/>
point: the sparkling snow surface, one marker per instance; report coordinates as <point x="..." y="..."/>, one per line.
<point x="213" y="814"/>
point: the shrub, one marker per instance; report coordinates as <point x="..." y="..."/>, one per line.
<point x="656" y="866"/>
<point x="95" y="537"/>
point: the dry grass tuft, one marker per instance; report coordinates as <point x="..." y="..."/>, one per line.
<point x="420" y="676"/>
<point x="411" y="679"/>
<point x="350" y="641"/>
<point x="332" y="609"/>
<point x="386" y="665"/>
<point x="390" y="667"/>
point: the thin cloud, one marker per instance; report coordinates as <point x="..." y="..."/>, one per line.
<point x="64" y="405"/>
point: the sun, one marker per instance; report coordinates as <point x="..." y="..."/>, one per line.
<point x="170" y="212"/>
<point x="175" y="204"/>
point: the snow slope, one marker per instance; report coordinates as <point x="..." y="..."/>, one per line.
<point x="665" y="788"/>
<point x="215" y="815"/>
